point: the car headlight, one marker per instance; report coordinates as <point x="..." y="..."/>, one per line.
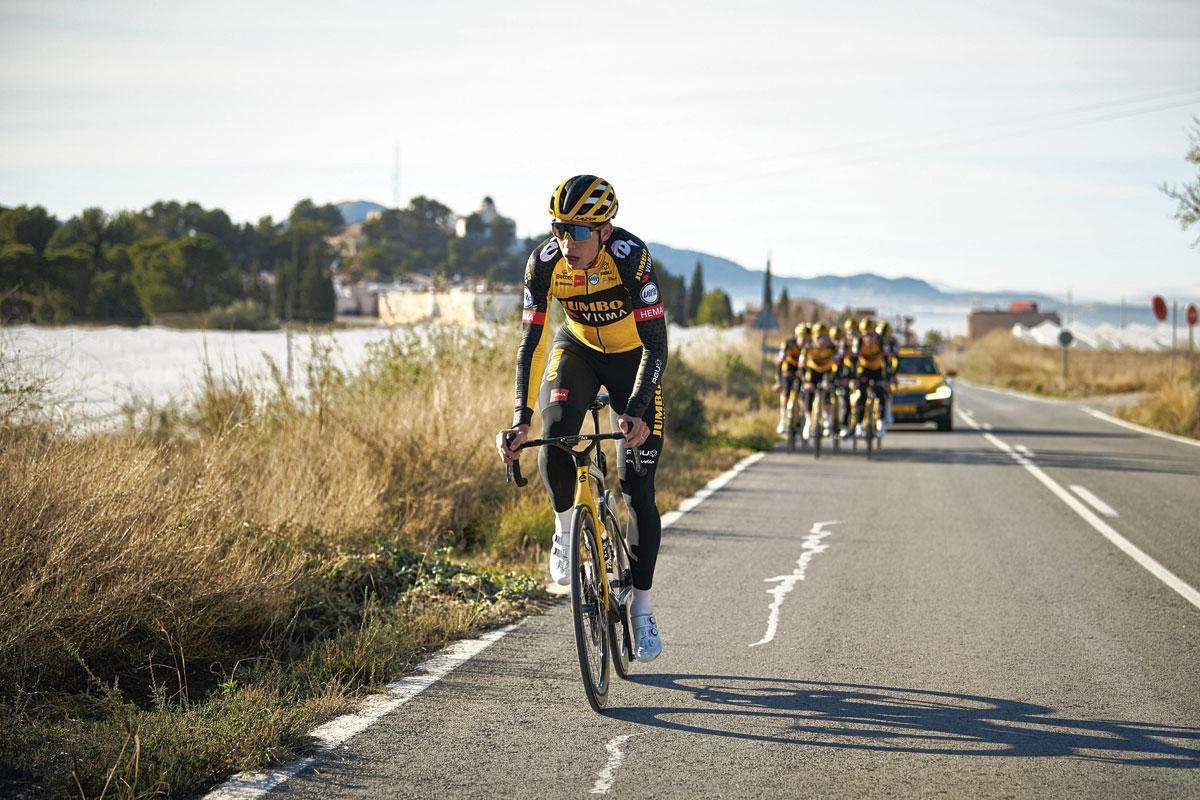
<point x="941" y="393"/>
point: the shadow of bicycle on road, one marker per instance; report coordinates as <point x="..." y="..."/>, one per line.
<point x="890" y="719"/>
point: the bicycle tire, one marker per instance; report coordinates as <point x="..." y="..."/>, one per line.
<point x="587" y="608"/>
<point x="815" y="423"/>
<point x="869" y="424"/>
<point x="619" y="633"/>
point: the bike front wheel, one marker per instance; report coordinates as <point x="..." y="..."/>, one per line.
<point x="589" y="607"/>
<point x="620" y="636"/>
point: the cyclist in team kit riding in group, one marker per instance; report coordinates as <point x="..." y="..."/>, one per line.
<point x="788" y="370"/>
<point x="820" y="359"/>
<point x="615" y="335"/>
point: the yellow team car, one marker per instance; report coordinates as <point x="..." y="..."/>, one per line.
<point x="922" y="394"/>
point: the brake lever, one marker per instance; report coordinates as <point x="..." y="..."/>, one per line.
<point x="512" y="472"/>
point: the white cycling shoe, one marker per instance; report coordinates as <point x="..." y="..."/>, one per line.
<point x="646" y="642"/>
<point x="560" y="558"/>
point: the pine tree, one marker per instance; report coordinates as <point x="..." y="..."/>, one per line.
<point x="696" y="291"/>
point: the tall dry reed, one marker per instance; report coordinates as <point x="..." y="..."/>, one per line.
<point x="116" y="546"/>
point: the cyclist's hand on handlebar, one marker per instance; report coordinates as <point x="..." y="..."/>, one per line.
<point x="508" y="450"/>
<point x="635" y="429"/>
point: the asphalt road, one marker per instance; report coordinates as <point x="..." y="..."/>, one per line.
<point x="954" y="627"/>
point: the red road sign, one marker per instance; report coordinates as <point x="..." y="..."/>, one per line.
<point x="1191" y="314"/>
<point x="1160" y="308"/>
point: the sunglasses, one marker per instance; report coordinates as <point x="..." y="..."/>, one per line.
<point x="577" y="232"/>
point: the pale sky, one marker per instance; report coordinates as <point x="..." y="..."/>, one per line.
<point x="977" y="144"/>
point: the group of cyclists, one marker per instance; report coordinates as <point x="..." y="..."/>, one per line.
<point x="855" y="357"/>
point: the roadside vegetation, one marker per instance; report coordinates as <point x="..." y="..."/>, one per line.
<point x="185" y="598"/>
<point x="999" y="359"/>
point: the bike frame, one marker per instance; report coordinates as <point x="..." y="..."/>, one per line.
<point x="588" y="471"/>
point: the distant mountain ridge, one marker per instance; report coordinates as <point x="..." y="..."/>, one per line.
<point x="357" y="210"/>
<point x="890" y="296"/>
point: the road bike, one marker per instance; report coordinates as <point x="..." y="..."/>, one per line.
<point x="872" y="413"/>
<point x="601" y="576"/>
<point x="819" y="412"/>
<point x="795" y="414"/>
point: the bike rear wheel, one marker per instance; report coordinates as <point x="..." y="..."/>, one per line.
<point x="620" y="637"/>
<point x="869" y="425"/>
<point x="816" y="421"/>
<point x="588" y="607"/>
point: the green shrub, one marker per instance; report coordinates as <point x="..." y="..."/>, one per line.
<point x="245" y="315"/>
<point x="686" y="417"/>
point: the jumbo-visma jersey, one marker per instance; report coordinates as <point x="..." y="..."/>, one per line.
<point x="614" y="306"/>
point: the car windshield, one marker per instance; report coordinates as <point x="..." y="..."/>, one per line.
<point x="917" y="365"/>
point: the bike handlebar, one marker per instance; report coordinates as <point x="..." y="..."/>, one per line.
<point x="512" y="472"/>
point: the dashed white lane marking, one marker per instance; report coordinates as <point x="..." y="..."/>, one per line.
<point x="1095" y="502"/>
<point x="248" y="785"/>
<point x="671" y="517"/>
<point x="1025" y="451"/>
<point x="1142" y="429"/>
<point x="608" y="775"/>
<point x="785" y="583"/>
<point x="1129" y="548"/>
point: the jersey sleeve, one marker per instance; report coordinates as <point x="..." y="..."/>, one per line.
<point x="635" y="266"/>
<point x="531" y="353"/>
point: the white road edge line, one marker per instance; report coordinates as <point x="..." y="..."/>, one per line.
<point x="608" y="775"/>
<point x="251" y="785"/>
<point x="1141" y="428"/>
<point x="248" y="785"/>
<point x="1025" y="451"/>
<point x="1011" y="393"/>
<point x="1095" y="502"/>
<point x="671" y="517"/>
<point x="812" y="545"/>
<point x="1123" y="544"/>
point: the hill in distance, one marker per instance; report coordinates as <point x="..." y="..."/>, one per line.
<point x="357" y="210"/>
<point x="890" y="296"/>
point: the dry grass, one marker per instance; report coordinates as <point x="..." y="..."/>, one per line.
<point x="999" y="359"/>
<point x="187" y="597"/>
<point x="1174" y="409"/>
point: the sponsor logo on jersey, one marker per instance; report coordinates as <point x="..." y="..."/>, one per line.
<point x="528" y="298"/>
<point x="653" y="312"/>
<point x="643" y="269"/>
<point x="585" y="306"/>
<point x="552" y="367"/>
<point x="650" y="294"/>
<point x="532" y="316"/>
<point x="559" y="395"/>
<point x="594" y="280"/>
<point x="578" y="279"/>
<point x="622" y="248"/>
<point x="549" y="251"/>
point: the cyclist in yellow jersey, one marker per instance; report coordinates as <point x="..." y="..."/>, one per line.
<point x="868" y="357"/>
<point x="820" y="359"/>
<point x="788" y="369"/>
<point x="615" y="335"/>
<point x="891" y="362"/>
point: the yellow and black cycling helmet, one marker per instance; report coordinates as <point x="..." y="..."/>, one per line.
<point x="835" y="333"/>
<point x="884" y="329"/>
<point x="584" y="198"/>
<point x="818" y="329"/>
<point x="799" y="331"/>
<point x="848" y="324"/>
<point x="866" y="324"/>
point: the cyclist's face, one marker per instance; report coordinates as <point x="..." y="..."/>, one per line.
<point x="582" y="254"/>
